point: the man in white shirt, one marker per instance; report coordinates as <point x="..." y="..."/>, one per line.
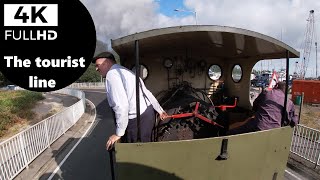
<point x="121" y="95"/>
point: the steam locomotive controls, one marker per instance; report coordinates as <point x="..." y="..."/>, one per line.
<point x="192" y="115"/>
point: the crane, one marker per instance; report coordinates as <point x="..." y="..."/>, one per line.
<point x="309" y="35"/>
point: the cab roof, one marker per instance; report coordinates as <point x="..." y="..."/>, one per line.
<point x="207" y="40"/>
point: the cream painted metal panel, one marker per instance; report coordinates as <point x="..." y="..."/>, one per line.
<point x="259" y="155"/>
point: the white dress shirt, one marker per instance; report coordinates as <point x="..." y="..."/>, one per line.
<point x="121" y="95"/>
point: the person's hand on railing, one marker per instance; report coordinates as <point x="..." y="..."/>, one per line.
<point x="112" y="139"/>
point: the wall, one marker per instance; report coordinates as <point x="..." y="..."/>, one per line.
<point x="310" y="88"/>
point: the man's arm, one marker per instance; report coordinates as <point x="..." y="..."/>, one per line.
<point x="154" y="102"/>
<point x="257" y="101"/>
<point x="118" y="102"/>
<point x="293" y="118"/>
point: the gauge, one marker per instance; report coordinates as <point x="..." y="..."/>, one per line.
<point x="143" y="71"/>
<point x="202" y="64"/>
<point x="168" y="63"/>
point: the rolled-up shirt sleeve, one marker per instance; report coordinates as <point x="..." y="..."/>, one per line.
<point x="118" y="101"/>
<point x="152" y="99"/>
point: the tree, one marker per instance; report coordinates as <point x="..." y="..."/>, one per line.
<point x="3" y="80"/>
<point x="255" y="72"/>
<point x="91" y="75"/>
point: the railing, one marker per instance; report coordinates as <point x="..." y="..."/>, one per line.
<point x="305" y="143"/>
<point x="88" y="85"/>
<point x="20" y="150"/>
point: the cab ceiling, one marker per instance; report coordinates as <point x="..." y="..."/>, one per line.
<point x="206" y="41"/>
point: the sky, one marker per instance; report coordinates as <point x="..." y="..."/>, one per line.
<point x="284" y="20"/>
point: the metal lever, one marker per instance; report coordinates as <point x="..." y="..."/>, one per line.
<point x="196" y="114"/>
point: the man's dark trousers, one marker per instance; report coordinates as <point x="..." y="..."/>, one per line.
<point x="147" y="120"/>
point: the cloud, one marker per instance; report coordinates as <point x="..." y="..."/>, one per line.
<point x="264" y="16"/>
<point x="117" y="18"/>
<point x="114" y="18"/>
<point x="285" y="19"/>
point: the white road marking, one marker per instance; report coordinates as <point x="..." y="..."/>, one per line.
<point x="291" y="174"/>
<point x="85" y="134"/>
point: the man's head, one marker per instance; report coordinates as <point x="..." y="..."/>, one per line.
<point x="103" y="62"/>
<point x="281" y="86"/>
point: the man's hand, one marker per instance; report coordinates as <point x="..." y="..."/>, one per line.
<point x="163" y="115"/>
<point x="111" y="141"/>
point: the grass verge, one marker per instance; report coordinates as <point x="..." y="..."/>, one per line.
<point x="310" y="116"/>
<point x="16" y="106"/>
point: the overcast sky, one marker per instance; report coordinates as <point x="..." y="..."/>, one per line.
<point x="281" y="19"/>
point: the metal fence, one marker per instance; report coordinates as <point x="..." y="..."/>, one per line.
<point x="89" y="85"/>
<point x="20" y="150"/>
<point x="305" y="143"/>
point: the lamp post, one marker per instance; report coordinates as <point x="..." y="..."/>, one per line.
<point x="316" y="61"/>
<point x="194" y="12"/>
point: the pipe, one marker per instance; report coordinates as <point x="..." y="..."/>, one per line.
<point x="136" y="45"/>
<point x="284" y="114"/>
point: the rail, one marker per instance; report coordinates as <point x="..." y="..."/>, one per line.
<point x="89" y="85"/>
<point x="17" y="152"/>
<point x="305" y="143"/>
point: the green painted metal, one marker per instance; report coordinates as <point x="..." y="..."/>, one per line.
<point x="257" y="155"/>
<point x="298" y="100"/>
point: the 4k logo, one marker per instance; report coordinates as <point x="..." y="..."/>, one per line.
<point x="34" y="15"/>
<point x="30" y="15"/>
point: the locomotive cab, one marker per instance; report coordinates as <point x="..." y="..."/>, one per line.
<point x="201" y="77"/>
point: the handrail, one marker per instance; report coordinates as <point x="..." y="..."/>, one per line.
<point x="17" y="152"/>
<point x="88" y="85"/>
<point x="224" y="107"/>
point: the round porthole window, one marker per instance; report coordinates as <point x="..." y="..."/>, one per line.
<point x="143" y="71"/>
<point x="236" y="73"/>
<point x="214" y="72"/>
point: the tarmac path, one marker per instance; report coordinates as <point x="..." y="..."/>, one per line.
<point x="90" y="160"/>
<point x="80" y="153"/>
